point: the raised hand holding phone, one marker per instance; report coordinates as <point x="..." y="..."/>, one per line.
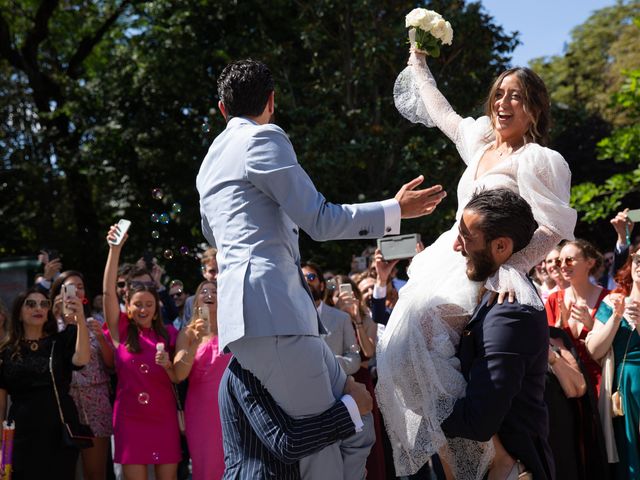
<point x="121" y="230"/>
<point x="68" y="294"/>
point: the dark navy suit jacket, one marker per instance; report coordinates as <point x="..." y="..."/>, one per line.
<point x="260" y="440"/>
<point x="503" y="354"/>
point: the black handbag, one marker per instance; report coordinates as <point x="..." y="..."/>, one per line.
<point x="76" y="435"/>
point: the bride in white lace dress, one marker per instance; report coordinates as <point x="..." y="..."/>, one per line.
<point x="419" y="374"/>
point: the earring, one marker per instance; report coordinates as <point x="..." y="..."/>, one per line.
<point x="129" y="315"/>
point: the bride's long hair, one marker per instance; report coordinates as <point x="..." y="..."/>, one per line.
<point x="536" y="103"/>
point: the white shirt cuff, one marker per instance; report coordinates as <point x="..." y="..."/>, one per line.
<point x="392" y="216"/>
<point x="352" y="407"/>
<point x="46" y="284"/>
<point x="379" y="292"/>
<point x="620" y="247"/>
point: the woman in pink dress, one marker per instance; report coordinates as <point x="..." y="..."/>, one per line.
<point x="198" y="358"/>
<point x="145" y="423"/>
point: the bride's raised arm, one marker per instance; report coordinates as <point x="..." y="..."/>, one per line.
<point x="418" y="99"/>
<point x="438" y="108"/>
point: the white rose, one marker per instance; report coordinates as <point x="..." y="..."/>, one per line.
<point x="415" y="17"/>
<point x="427" y="22"/>
<point x="448" y="35"/>
<point x="438" y="28"/>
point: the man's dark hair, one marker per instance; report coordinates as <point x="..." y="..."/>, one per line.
<point x="316" y="268"/>
<point x="137" y="271"/>
<point x="244" y="87"/>
<point x="124" y="269"/>
<point x="504" y="214"/>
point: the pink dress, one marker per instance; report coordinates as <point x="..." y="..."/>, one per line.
<point x="145" y="422"/>
<point x="201" y="412"/>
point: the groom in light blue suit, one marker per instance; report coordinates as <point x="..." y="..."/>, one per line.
<point x="254" y="197"/>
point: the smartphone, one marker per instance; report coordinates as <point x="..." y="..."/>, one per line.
<point x="52" y="254"/>
<point x="399" y="246"/>
<point x="68" y="291"/>
<point x="634" y="215"/>
<point x="203" y="313"/>
<point x="345" y="287"/>
<point x="123" y="227"/>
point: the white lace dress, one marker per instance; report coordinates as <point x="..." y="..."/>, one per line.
<point x="419" y="375"/>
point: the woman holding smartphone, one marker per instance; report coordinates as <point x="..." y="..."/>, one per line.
<point x="145" y="422"/>
<point x="32" y="344"/>
<point x="90" y="386"/>
<point x="199" y="359"/>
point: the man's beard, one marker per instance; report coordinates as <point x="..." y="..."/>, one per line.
<point x="480" y="265"/>
<point x="316" y="292"/>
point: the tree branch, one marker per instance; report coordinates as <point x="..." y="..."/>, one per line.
<point x="39" y="32"/>
<point x="88" y="43"/>
<point x="6" y="50"/>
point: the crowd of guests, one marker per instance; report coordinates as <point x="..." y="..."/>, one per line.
<point x="126" y="385"/>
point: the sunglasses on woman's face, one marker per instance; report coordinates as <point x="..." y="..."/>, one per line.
<point x="568" y="261"/>
<point x="44" y="304"/>
<point x="121" y="284"/>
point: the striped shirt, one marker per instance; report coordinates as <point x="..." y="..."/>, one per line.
<point x="260" y="440"/>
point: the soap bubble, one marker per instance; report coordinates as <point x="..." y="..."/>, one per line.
<point x="184" y="250"/>
<point x="155" y="218"/>
<point x="157" y="194"/>
<point x="205" y="128"/>
<point x="164" y="218"/>
<point x="155" y="234"/>
<point x="143" y="398"/>
<point x="176" y="208"/>
<point x="168" y="254"/>
<point x="144" y="368"/>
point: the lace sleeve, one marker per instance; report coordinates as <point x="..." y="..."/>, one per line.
<point x="544" y="181"/>
<point x="418" y="99"/>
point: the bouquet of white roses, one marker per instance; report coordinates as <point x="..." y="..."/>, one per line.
<point x="428" y="30"/>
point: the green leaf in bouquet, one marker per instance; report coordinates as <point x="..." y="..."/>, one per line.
<point x="427" y="42"/>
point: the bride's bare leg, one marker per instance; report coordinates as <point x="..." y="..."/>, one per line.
<point x="502" y="461"/>
<point x="445" y="466"/>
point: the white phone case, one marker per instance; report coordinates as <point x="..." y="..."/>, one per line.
<point x="123" y="226"/>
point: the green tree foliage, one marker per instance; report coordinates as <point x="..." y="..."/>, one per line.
<point x="113" y="98"/>
<point x="582" y="83"/>
<point x="599" y="200"/>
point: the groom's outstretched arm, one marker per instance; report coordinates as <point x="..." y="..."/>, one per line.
<point x="288" y="439"/>
<point x="272" y="167"/>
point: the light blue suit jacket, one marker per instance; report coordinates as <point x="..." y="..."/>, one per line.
<point x="254" y="195"/>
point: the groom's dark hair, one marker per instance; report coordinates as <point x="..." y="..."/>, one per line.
<point x="244" y="87"/>
<point x="504" y="214"/>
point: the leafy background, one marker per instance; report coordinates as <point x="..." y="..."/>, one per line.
<point x="103" y="101"/>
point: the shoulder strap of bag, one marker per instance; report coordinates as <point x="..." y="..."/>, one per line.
<point x="53" y="380"/>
